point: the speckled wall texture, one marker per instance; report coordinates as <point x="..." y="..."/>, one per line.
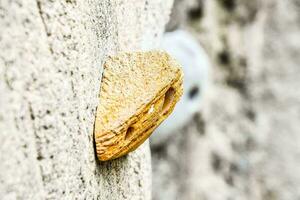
<point x="50" y="71"/>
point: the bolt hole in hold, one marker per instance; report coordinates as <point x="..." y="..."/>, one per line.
<point x="194" y="91"/>
<point x="129" y="132"/>
<point x="168" y="100"/>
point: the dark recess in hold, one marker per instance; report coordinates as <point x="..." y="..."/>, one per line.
<point x="129" y="132"/>
<point x="193" y="92"/>
<point x="168" y="100"/>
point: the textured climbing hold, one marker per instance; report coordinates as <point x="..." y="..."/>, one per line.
<point x="138" y="91"/>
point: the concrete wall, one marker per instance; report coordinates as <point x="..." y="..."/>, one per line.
<point x="51" y="56"/>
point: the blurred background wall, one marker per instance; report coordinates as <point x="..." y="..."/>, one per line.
<point x="244" y="143"/>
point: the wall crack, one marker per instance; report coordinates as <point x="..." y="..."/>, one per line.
<point x="48" y="34"/>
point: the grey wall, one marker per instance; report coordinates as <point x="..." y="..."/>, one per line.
<point x="51" y="53"/>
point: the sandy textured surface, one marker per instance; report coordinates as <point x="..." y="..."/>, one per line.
<point x="138" y="91"/>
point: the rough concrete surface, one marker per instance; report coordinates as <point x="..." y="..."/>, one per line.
<point x="245" y="143"/>
<point x="50" y="67"/>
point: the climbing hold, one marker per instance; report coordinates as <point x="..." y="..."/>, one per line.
<point x="138" y="91"/>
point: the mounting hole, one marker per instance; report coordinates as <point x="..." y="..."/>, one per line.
<point x="194" y="91"/>
<point x="129" y="132"/>
<point x="168" y="100"/>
